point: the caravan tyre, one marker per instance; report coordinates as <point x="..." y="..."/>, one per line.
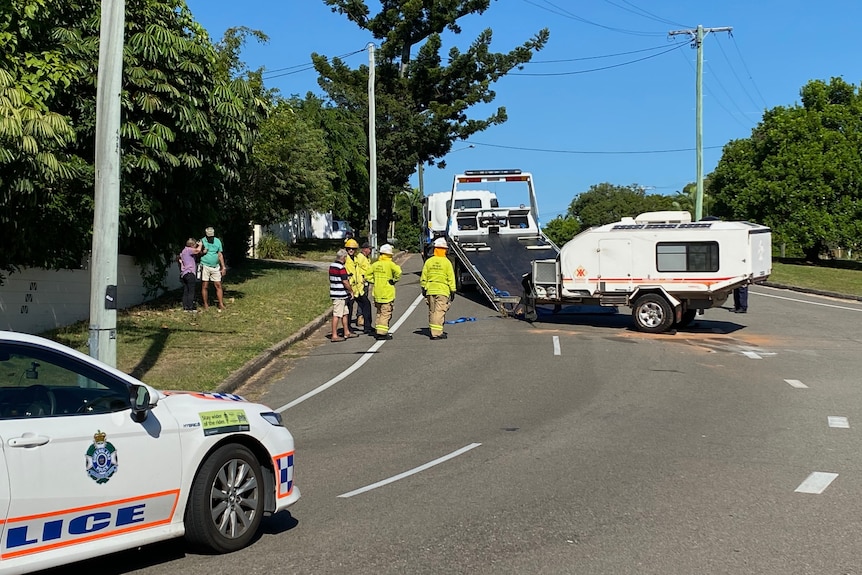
<point x="652" y="314"/>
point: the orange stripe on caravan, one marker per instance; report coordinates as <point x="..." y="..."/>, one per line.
<point x="705" y="281"/>
<point x="175" y="492"/>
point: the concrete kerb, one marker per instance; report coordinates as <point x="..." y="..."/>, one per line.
<point x="250" y="368"/>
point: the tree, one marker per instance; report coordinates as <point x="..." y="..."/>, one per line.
<point x="800" y="172"/>
<point x="606" y="203"/>
<point x="186" y="133"/>
<point x="686" y="200"/>
<point x="561" y="229"/>
<point x="421" y="104"/>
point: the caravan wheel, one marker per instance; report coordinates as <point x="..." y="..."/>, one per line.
<point x="652" y="314"/>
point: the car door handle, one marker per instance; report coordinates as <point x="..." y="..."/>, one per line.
<point x="28" y="440"/>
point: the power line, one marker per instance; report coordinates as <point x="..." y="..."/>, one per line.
<point x="735" y="75"/>
<point x="756" y="89"/>
<point x="566" y="14"/>
<point x="598" y="57"/>
<point x="592" y="152"/>
<point x="302" y="67"/>
<point x="717" y="100"/>
<point x="677" y="47"/>
<point x="645" y="13"/>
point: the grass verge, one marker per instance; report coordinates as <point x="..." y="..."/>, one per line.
<point x="168" y="348"/>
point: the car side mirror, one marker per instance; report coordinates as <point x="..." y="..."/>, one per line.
<point x="139" y="398"/>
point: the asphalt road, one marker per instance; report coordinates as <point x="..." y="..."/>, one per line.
<point x="571" y="445"/>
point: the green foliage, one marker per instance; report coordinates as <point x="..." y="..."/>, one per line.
<point x="686" y="200"/>
<point x="606" y="203"/>
<point x="800" y="172"/>
<point x="421" y="104"/>
<point x="270" y="247"/>
<point x="561" y="229"/>
<point x="407" y="227"/>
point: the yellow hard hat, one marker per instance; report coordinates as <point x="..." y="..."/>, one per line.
<point x="351" y="243"/>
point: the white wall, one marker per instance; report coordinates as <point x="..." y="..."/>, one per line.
<point x="35" y="299"/>
<point x="302" y="225"/>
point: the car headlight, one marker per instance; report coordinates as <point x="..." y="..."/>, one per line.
<point x="272" y="418"/>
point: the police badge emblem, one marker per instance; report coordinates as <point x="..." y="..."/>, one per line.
<point x="101" y="458"/>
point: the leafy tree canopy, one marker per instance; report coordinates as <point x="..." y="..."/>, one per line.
<point x="606" y="203"/>
<point x="800" y="172"/>
<point x="186" y="133"/>
<point x="421" y="104"/>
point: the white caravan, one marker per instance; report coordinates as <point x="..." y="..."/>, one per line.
<point x="661" y="264"/>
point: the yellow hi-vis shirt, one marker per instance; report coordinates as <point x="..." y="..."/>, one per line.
<point x="438" y="276"/>
<point x="383" y="270"/>
<point x="355" y="275"/>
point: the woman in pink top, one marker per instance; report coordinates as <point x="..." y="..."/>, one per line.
<point x="188" y="275"/>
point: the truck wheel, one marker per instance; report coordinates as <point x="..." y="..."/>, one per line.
<point x="687" y="317"/>
<point x="652" y="314"/>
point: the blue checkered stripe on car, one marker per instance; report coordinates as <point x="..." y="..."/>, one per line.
<point x="284" y="475"/>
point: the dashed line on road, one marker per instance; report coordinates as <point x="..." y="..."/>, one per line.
<point x="557" y="345"/>
<point x="796" y="383"/>
<point x="359" y="362"/>
<point x="816" y="483"/>
<point x="413" y="471"/>
<point x="838" y="422"/>
<point x="751" y="355"/>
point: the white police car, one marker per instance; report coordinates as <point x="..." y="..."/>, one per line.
<point x="96" y="461"/>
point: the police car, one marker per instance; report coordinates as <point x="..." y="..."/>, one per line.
<point x="97" y="461"/>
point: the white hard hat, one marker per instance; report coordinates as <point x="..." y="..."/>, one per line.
<point x="386" y="249"/>
<point x="441" y="243"/>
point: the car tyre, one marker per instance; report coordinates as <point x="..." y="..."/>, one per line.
<point x="652" y="314"/>
<point x="225" y="505"/>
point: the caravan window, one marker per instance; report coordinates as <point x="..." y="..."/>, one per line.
<point x="687" y="256"/>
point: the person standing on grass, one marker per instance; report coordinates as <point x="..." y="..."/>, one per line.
<point x="383" y="276"/>
<point x="213" y="268"/>
<point x="188" y="273"/>
<point x="438" y="287"/>
<point x="339" y="292"/>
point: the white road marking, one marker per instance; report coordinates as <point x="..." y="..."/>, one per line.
<point x="751" y="355"/>
<point x="816" y="483"/>
<point x="557" y="345"/>
<point x="415" y="470"/>
<point x="796" y="383"/>
<point x="811" y="302"/>
<point x="838" y="421"/>
<point x="359" y="362"/>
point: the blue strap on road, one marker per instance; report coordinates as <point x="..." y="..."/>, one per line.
<point x="461" y="320"/>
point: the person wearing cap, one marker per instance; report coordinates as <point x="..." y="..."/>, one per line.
<point x="438" y="287"/>
<point x="213" y="268"/>
<point x="340" y="292"/>
<point x="383" y="276"/>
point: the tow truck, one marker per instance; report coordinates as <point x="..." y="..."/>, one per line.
<point x="491" y="247"/>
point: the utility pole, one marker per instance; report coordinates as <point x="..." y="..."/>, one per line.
<point x="106" y="217"/>
<point x="698" y="34"/>
<point x="372" y="155"/>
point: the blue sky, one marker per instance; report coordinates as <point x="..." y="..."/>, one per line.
<point x="571" y="123"/>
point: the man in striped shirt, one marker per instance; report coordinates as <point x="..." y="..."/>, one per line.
<point x="340" y="291"/>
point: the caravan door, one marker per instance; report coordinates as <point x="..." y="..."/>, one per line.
<point x="615" y="265"/>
